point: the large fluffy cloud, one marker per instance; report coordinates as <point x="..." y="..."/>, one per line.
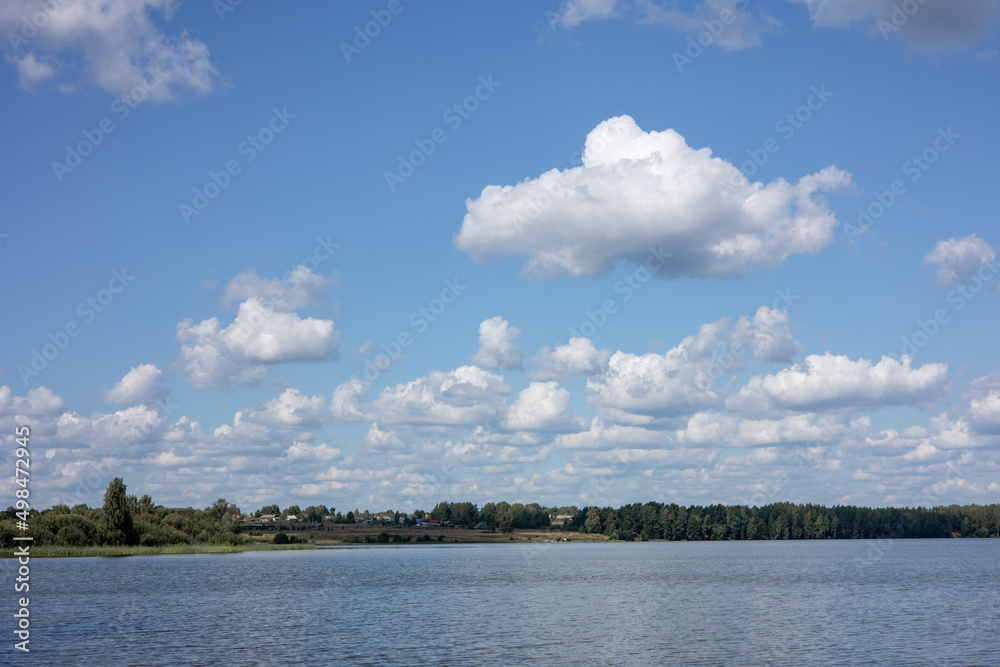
<point x="240" y="353"/>
<point x="465" y="396"/>
<point x="264" y="332"/>
<point x="540" y="406"/>
<point x="640" y="195"/>
<point x="113" y="44"/>
<point x="959" y="257"/>
<point x="659" y="385"/>
<point x="928" y="26"/>
<point x="836" y="382"/>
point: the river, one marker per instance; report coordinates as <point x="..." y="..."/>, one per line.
<point x="892" y="602"/>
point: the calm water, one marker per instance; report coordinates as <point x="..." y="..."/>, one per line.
<point x="919" y="602"/>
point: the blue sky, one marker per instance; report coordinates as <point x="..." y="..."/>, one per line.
<point x="267" y="201"/>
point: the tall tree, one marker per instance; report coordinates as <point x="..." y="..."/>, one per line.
<point x="117" y="515"/>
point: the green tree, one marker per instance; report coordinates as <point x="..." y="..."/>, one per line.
<point x="314" y="513"/>
<point x="117" y="515"/>
<point x="441" y="511"/>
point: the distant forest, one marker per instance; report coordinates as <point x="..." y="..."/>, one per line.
<point x="785" y="521"/>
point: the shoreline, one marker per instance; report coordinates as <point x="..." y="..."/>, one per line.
<point x="191" y="549"/>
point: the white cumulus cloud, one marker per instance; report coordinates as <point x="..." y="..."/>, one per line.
<point x="638" y="191"/>
<point x="578" y="356"/>
<point x="660" y="385"/>
<point x="465" y="396"/>
<point x="496" y="345"/>
<point x="264" y="332"/>
<point x="540" y="406"/>
<point x="291" y="409"/>
<point x="142" y="384"/>
<point x="113" y="44"/>
<point x="984" y="413"/>
<point x="301" y="288"/>
<point x="836" y="382"/>
<point x="959" y="257"/>
<point x="345" y="405"/>
<point x="768" y="335"/>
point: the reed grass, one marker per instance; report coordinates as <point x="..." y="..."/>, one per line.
<point x="74" y="552"/>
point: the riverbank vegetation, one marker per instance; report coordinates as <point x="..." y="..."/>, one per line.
<point x="128" y="523"/>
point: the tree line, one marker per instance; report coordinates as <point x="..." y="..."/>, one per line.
<point x="784" y="521"/>
<point x="129" y="520"/>
<point x="500" y="516"/>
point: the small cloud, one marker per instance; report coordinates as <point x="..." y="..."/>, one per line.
<point x="140" y="386"/>
<point x="959" y="257"/>
<point x="30" y="70"/>
<point x="574" y="12"/>
<point x="496" y="345"/>
<point x="730" y="26"/>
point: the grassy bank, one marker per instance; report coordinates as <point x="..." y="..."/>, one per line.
<point x="73" y="552"/>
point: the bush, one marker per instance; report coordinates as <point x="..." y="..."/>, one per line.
<point x="281" y="538"/>
<point x="72" y="536"/>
